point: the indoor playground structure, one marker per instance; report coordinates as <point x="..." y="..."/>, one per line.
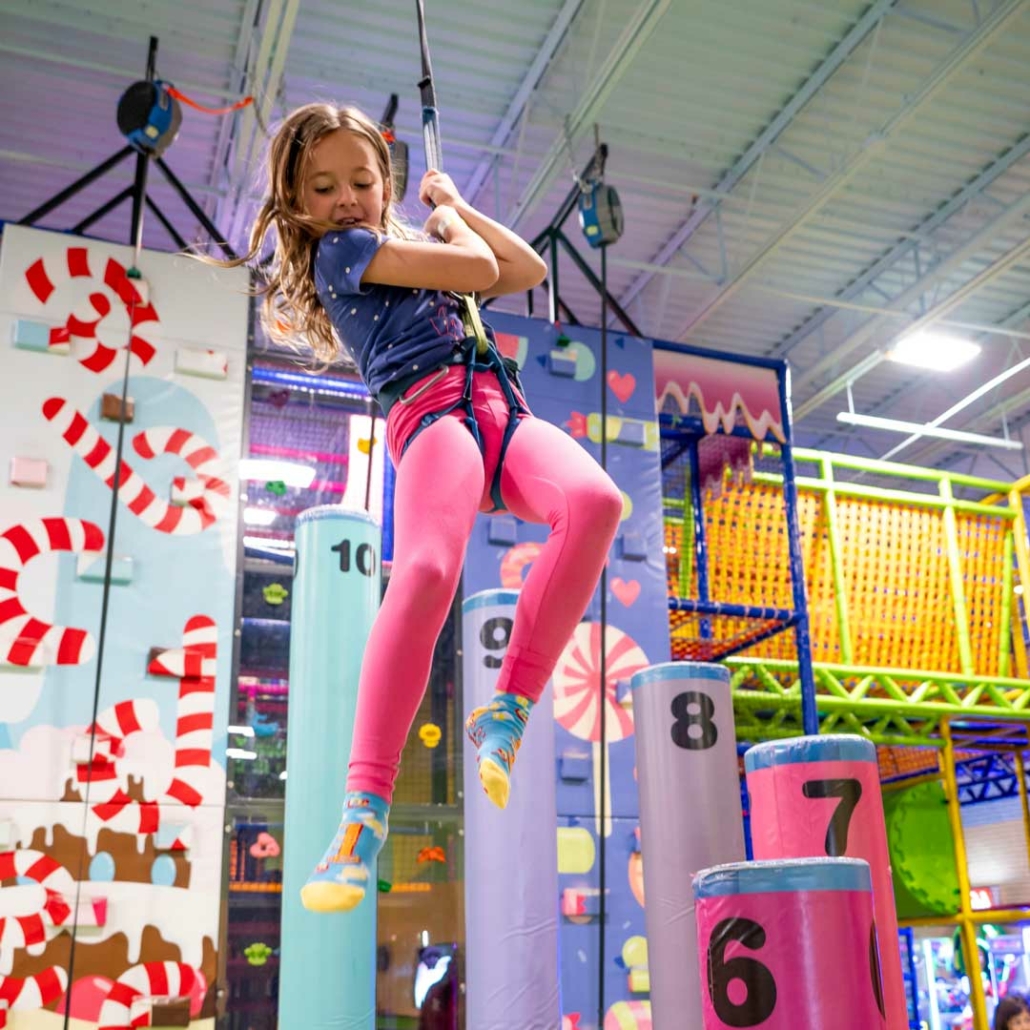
<point x="760" y="790"/>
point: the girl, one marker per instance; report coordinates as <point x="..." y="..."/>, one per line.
<point x="1012" y="1013"/>
<point x="458" y="429"/>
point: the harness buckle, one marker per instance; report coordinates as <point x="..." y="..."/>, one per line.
<point x="432" y="381"/>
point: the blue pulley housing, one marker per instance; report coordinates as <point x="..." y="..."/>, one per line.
<point x="149" y="116"/>
<point x="600" y="214"/>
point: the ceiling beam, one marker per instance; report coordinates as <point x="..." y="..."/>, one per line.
<point x="967" y="251"/>
<point x="634" y="36"/>
<point x="981" y="37"/>
<point x="903" y="248"/>
<point x="830" y="64"/>
<point x="265" y="80"/>
<point x="130" y="75"/>
<point x="223" y="146"/>
<point x="526" y="89"/>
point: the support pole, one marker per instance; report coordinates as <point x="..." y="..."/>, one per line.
<point x="80" y="184"/>
<point x="958" y="591"/>
<point x="967" y="926"/>
<point x="1017" y="758"/>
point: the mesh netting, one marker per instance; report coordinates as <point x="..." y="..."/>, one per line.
<point x="896" y="577"/>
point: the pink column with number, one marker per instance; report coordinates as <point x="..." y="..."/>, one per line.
<point x="788" y="945"/>
<point x="814" y="796"/>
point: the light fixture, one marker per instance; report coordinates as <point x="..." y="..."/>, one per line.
<point x="259" y="516"/>
<point x="927" y="348"/>
<point x="240" y="753"/>
<point x="268" y="470"/>
<point x="241" y="731"/>
<point x="926" y="429"/>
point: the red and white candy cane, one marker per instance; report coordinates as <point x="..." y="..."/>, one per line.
<point x="24" y="639"/>
<point x="195" y="665"/>
<point x="45" y="282"/>
<point x="213" y="499"/>
<point x="107" y="799"/>
<point x="32" y="992"/>
<point x="56" y="881"/>
<point x="147" y="980"/>
<point x="133" y="492"/>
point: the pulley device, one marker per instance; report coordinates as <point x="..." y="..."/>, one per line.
<point x="149" y="114"/>
<point x="600" y="211"/>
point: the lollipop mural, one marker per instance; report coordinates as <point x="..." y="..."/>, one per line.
<point x="577" y="699"/>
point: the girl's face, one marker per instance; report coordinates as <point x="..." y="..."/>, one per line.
<point x="1020" y="1022"/>
<point x="342" y="182"/>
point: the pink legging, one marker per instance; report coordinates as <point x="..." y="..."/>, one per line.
<point x="442" y="482"/>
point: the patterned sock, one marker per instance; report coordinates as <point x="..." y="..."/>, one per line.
<point x="496" y="731"/>
<point x="339" y="881"/>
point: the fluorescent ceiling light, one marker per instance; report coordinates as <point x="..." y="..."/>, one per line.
<point x="930" y="349"/>
<point x="240" y="753"/>
<point x="267" y="470"/>
<point x="925" y="429"/>
<point x="259" y="516"/>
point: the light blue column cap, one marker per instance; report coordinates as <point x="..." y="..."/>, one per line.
<point x="828" y="747"/>
<point x="779" y="875"/>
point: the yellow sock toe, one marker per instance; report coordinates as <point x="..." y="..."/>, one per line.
<point x="331" y="897"/>
<point x="495" y="782"/>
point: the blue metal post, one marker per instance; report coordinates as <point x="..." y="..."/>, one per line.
<point x="700" y="545"/>
<point x="809" y="713"/>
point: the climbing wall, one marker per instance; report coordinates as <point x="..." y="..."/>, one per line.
<point x="564" y="385"/>
<point x="112" y="782"/>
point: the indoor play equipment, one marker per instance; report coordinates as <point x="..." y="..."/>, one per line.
<point x="788" y="945"/>
<point x="815" y="796"/>
<point x="511" y="857"/>
<point x="897" y="644"/>
<point x="327" y="975"/>
<point x="689" y="817"/>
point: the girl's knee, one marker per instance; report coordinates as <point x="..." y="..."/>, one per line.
<point x="603" y="501"/>
<point x="431" y="579"/>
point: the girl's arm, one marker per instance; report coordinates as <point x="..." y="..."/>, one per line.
<point x="519" y="266"/>
<point x="465" y="265"/>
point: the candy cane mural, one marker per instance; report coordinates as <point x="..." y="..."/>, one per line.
<point x="55" y="883"/>
<point x="195" y="666"/>
<point x="24" y="639"/>
<point x="31" y="992"/>
<point x="45" y="280"/>
<point x="145" y="981"/>
<point x="133" y="492"/>
<point x="152" y="802"/>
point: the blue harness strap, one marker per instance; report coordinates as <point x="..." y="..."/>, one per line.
<point x="491" y="361"/>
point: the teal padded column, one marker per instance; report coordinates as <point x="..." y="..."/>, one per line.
<point x="327" y="972"/>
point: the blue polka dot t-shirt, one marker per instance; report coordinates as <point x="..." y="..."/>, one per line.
<point x="390" y="332"/>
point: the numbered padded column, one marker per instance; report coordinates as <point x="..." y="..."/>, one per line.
<point x="690" y="817"/>
<point x="821" y="796"/>
<point x="788" y="945"/>
<point x="327" y="975"/>
<point x="511" y="857"/>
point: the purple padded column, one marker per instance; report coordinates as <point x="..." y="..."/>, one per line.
<point x="690" y="818"/>
<point x="511" y="857"/>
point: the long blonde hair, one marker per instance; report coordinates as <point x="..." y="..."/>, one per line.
<point x="291" y="311"/>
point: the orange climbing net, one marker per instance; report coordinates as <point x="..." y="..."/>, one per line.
<point x="897" y="588"/>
